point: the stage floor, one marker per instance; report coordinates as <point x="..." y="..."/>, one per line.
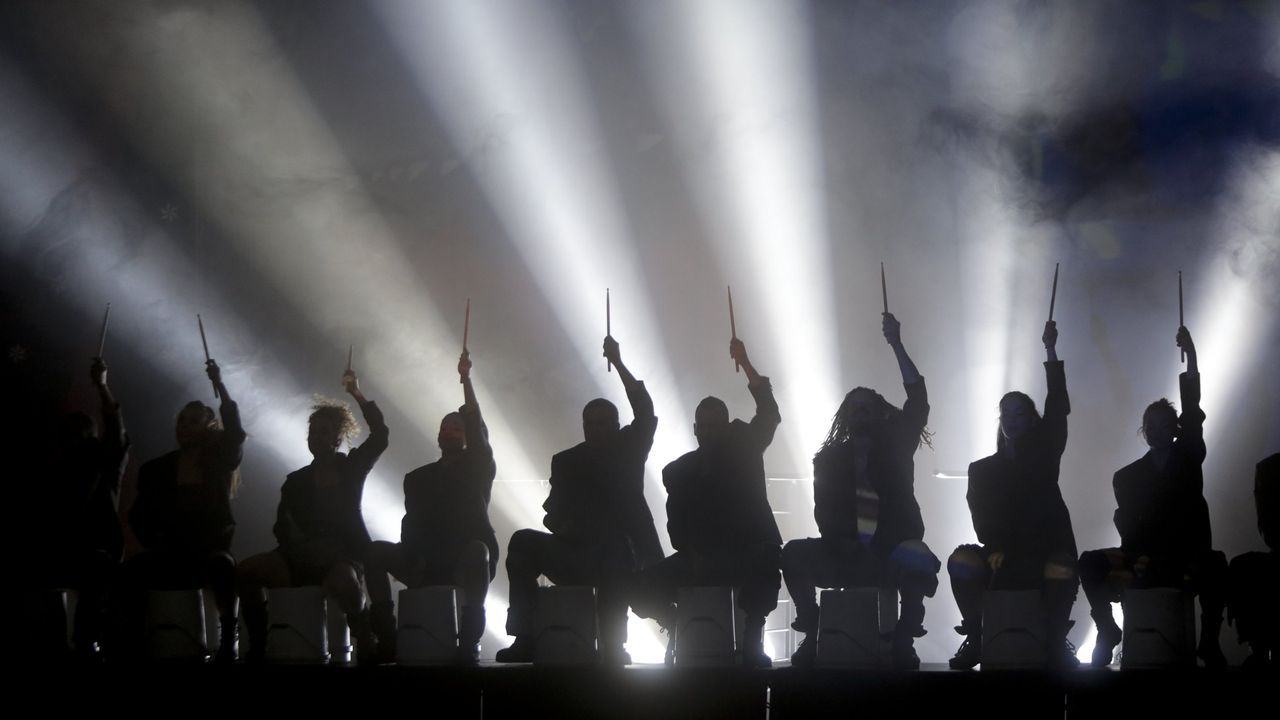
<point x="647" y="691"/>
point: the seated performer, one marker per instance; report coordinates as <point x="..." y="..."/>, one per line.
<point x="73" y="510"/>
<point x="719" y="517"/>
<point x="1254" y="592"/>
<point x="601" y="527"/>
<point x="1163" y="522"/>
<point x="319" y="524"/>
<point x="865" y="505"/>
<point x="445" y="537"/>
<point x="1020" y="519"/>
<point x="182" y="514"/>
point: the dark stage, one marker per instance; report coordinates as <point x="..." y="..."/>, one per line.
<point x="652" y="691"/>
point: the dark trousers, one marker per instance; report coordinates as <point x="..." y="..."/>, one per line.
<point x="606" y="563"/>
<point x="1105" y="575"/>
<point x="752" y="568"/>
<point x="87" y="571"/>
<point x="171" y="570"/>
<point x="911" y="568"/>
<point x="971" y="576"/>
<point x="1253" y="596"/>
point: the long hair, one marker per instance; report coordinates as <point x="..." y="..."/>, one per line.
<point x="214" y="429"/>
<point x="1023" y="397"/>
<point x="842" y="426"/>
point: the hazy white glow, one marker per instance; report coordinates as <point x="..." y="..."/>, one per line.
<point x="162" y="289"/>
<point x="301" y="234"/>
<point x="513" y="97"/>
<point x="1225" y="317"/>
<point x="736" y="85"/>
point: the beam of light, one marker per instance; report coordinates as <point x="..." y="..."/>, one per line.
<point x="1227" y="304"/>
<point x="271" y="174"/>
<point x="150" y="287"/>
<point x="1234" y="318"/>
<point x="512" y="96"/>
<point x="736" y="86"/>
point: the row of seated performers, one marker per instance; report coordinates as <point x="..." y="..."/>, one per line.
<point x="600" y="531"/>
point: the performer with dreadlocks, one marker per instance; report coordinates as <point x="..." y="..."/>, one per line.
<point x="1021" y="519"/>
<point x="865" y="505"/>
<point x="323" y="539"/>
<point x="1163" y="522"/>
<point x="182" y="515"/>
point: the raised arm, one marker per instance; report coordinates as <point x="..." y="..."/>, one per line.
<point x="767" y="417"/>
<point x="115" y="440"/>
<point x="371" y="449"/>
<point x="893" y="335"/>
<point x="637" y="395"/>
<point x="1191" y="422"/>
<point x="916" y="409"/>
<point x="1057" y="405"/>
<point x="479" y="452"/>
<point x="231" y="441"/>
<point x="464" y="377"/>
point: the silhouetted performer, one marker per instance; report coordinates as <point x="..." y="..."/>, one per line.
<point x="445" y="537"/>
<point x="1020" y="519"/>
<point x="77" y="541"/>
<point x="601" y="527"/>
<point x="1255" y="576"/>
<point x="1163" y="522"/>
<point x="865" y="505"/>
<point x="719" y="518"/>
<point x="182" y="514"/>
<point x="319" y="524"/>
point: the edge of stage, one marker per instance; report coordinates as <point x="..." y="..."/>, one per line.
<point x="642" y="691"/>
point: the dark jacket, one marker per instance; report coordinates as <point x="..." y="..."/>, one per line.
<point x="447" y="501"/>
<point x="80" y="498"/>
<point x="717" y="498"/>
<point x="170" y="517"/>
<point x="598" y="493"/>
<point x="891" y="467"/>
<point x="1163" y="512"/>
<point x="317" y="527"/>
<point x="1016" y="503"/>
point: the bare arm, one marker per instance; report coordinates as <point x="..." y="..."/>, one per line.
<point x="464" y="377"/>
<point x="893" y="334"/>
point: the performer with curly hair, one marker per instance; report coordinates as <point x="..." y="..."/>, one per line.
<point x="319" y="523"/>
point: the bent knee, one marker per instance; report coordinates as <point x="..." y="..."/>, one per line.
<point x="475" y="552"/>
<point x="914" y="556"/>
<point x="1059" y="571"/>
<point x="966" y="562"/>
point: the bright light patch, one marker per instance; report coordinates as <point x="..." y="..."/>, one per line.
<point x="736" y="85"/>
